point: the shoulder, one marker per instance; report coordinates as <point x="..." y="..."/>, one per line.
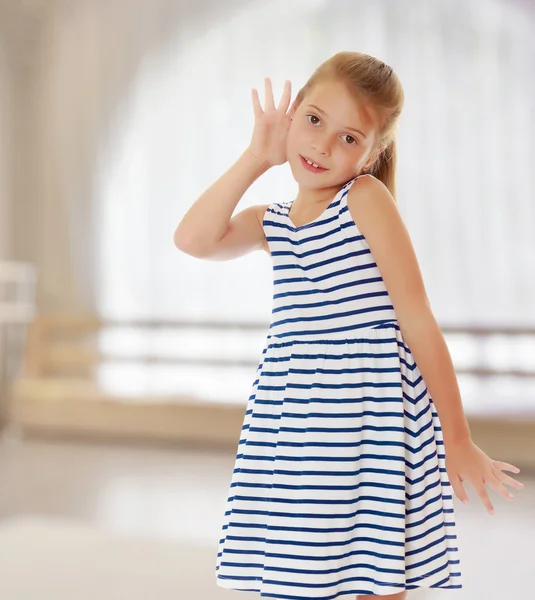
<point x="261" y="210"/>
<point x="373" y="209"/>
<point x="370" y="195"/>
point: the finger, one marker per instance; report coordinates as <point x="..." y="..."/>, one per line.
<point x="270" y="102"/>
<point x="503" y="466"/>
<point x="257" y="107"/>
<point x="293" y="108"/>
<point x="458" y="488"/>
<point x="499" y="488"/>
<point x="508" y="480"/>
<point x="483" y="495"/>
<point x="286" y="96"/>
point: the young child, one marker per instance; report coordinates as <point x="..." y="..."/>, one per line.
<point x="354" y="436"/>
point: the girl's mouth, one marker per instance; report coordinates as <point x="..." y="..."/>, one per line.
<point x="311" y="167"/>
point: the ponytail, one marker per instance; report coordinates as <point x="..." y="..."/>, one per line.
<point x="384" y="168"/>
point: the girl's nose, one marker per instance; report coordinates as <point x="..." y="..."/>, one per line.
<point x="321" y="146"/>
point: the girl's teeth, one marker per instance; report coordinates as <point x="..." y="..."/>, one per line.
<point x="313" y="164"/>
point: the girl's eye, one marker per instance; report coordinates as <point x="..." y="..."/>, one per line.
<point x="351" y="139"/>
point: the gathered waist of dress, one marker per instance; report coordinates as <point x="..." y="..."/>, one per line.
<point x="334" y="335"/>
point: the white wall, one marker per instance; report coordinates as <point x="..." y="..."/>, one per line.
<point x="75" y="62"/>
<point x="5" y="214"/>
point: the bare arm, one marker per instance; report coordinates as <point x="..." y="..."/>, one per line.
<point x="207" y="230"/>
<point x="374" y="210"/>
<point x="208" y="222"/>
<point x="378" y="219"/>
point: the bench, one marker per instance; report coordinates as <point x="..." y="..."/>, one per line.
<point x="59" y="390"/>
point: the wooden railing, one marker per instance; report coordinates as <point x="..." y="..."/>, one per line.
<point x="56" y="390"/>
<point x="67" y="344"/>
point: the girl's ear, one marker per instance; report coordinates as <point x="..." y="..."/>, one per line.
<point x="293" y="108"/>
<point x="377" y="153"/>
<point x="297" y="102"/>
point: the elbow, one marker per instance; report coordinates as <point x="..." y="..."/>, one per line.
<point x="181" y="243"/>
<point x="177" y="240"/>
<point x="187" y="246"/>
<point x="416" y="322"/>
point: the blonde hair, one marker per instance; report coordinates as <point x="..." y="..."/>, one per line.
<point x="371" y="80"/>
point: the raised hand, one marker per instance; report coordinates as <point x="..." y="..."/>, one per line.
<point x="268" y="142"/>
<point x="467" y="462"/>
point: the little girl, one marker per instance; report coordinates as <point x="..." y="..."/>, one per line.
<point x="354" y="436"/>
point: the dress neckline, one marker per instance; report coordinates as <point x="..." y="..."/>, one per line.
<point x="298" y="227"/>
<point x="294" y="227"/>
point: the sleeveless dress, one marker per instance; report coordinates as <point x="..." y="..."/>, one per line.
<point x="339" y="485"/>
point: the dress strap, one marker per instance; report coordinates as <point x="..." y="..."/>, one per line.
<point x="345" y="188"/>
<point x="274" y="212"/>
<point x="350" y="183"/>
<point x="343" y="210"/>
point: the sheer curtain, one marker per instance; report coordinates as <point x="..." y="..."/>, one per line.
<point x="465" y="173"/>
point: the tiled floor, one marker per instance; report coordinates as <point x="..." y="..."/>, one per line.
<point x="136" y="518"/>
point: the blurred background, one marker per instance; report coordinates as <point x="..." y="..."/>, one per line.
<point x="126" y="365"/>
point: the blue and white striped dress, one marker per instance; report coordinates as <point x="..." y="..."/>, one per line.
<point x="339" y="484"/>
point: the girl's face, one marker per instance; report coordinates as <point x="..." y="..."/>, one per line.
<point x="330" y="128"/>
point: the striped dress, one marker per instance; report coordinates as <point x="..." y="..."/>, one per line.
<point x="339" y="486"/>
